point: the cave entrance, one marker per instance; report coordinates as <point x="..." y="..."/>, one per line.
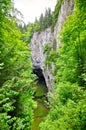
<point x="39" y="73"/>
<point x="40" y="96"/>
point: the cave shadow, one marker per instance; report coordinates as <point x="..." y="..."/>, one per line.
<point x="40" y="77"/>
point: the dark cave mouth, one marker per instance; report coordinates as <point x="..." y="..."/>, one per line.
<point x="39" y="73"/>
<point x="42" y="83"/>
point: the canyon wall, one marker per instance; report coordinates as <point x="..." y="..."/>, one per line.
<point x="39" y="40"/>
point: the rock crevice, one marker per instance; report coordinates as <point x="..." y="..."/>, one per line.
<point x="39" y="40"/>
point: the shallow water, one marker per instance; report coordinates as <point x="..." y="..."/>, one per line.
<point x="41" y="111"/>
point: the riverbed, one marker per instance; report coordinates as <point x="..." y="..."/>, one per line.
<point x="41" y="111"/>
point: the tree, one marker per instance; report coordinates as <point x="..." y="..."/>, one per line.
<point x="67" y="106"/>
<point x="48" y="18"/>
<point x="73" y="39"/>
<point x="28" y="33"/>
<point x="15" y="72"/>
<point x="56" y="13"/>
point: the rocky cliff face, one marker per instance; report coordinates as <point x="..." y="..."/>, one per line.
<point x="38" y="55"/>
<point x="39" y="40"/>
<point x="66" y="10"/>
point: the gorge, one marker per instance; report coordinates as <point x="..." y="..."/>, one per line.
<point x="52" y="40"/>
<point x="42" y="43"/>
<point x="54" y="49"/>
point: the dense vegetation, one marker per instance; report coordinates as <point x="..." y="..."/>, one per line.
<point x="68" y="103"/>
<point x="15" y="74"/>
<point x="56" y="13"/>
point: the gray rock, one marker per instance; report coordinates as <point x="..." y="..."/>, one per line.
<point x="39" y="40"/>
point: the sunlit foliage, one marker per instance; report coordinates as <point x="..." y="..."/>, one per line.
<point x="67" y="106"/>
<point x="15" y="72"/>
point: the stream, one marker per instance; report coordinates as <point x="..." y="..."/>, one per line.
<point x="41" y="111"/>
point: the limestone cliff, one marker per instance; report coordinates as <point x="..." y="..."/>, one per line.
<point x="39" y="40"/>
<point x="38" y="55"/>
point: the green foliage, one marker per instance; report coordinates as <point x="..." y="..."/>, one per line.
<point x="51" y="57"/>
<point x="8" y="96"/>
<point x="67" y="106"/>
<point x="24" y="108"/>
<point x="28" y="33"/>
<point x="67" y="109"/>
<point x="46" y="20"/>
<point x="36" y="26"/>
<point x="56" y="13"/>
<point x="47" y="47"/>
<point x="73" y="39"/>
<point x="15" y="72"/>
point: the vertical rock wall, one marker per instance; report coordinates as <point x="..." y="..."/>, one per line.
<point x="39" y="40"/>
<point x="38" y="55"/>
